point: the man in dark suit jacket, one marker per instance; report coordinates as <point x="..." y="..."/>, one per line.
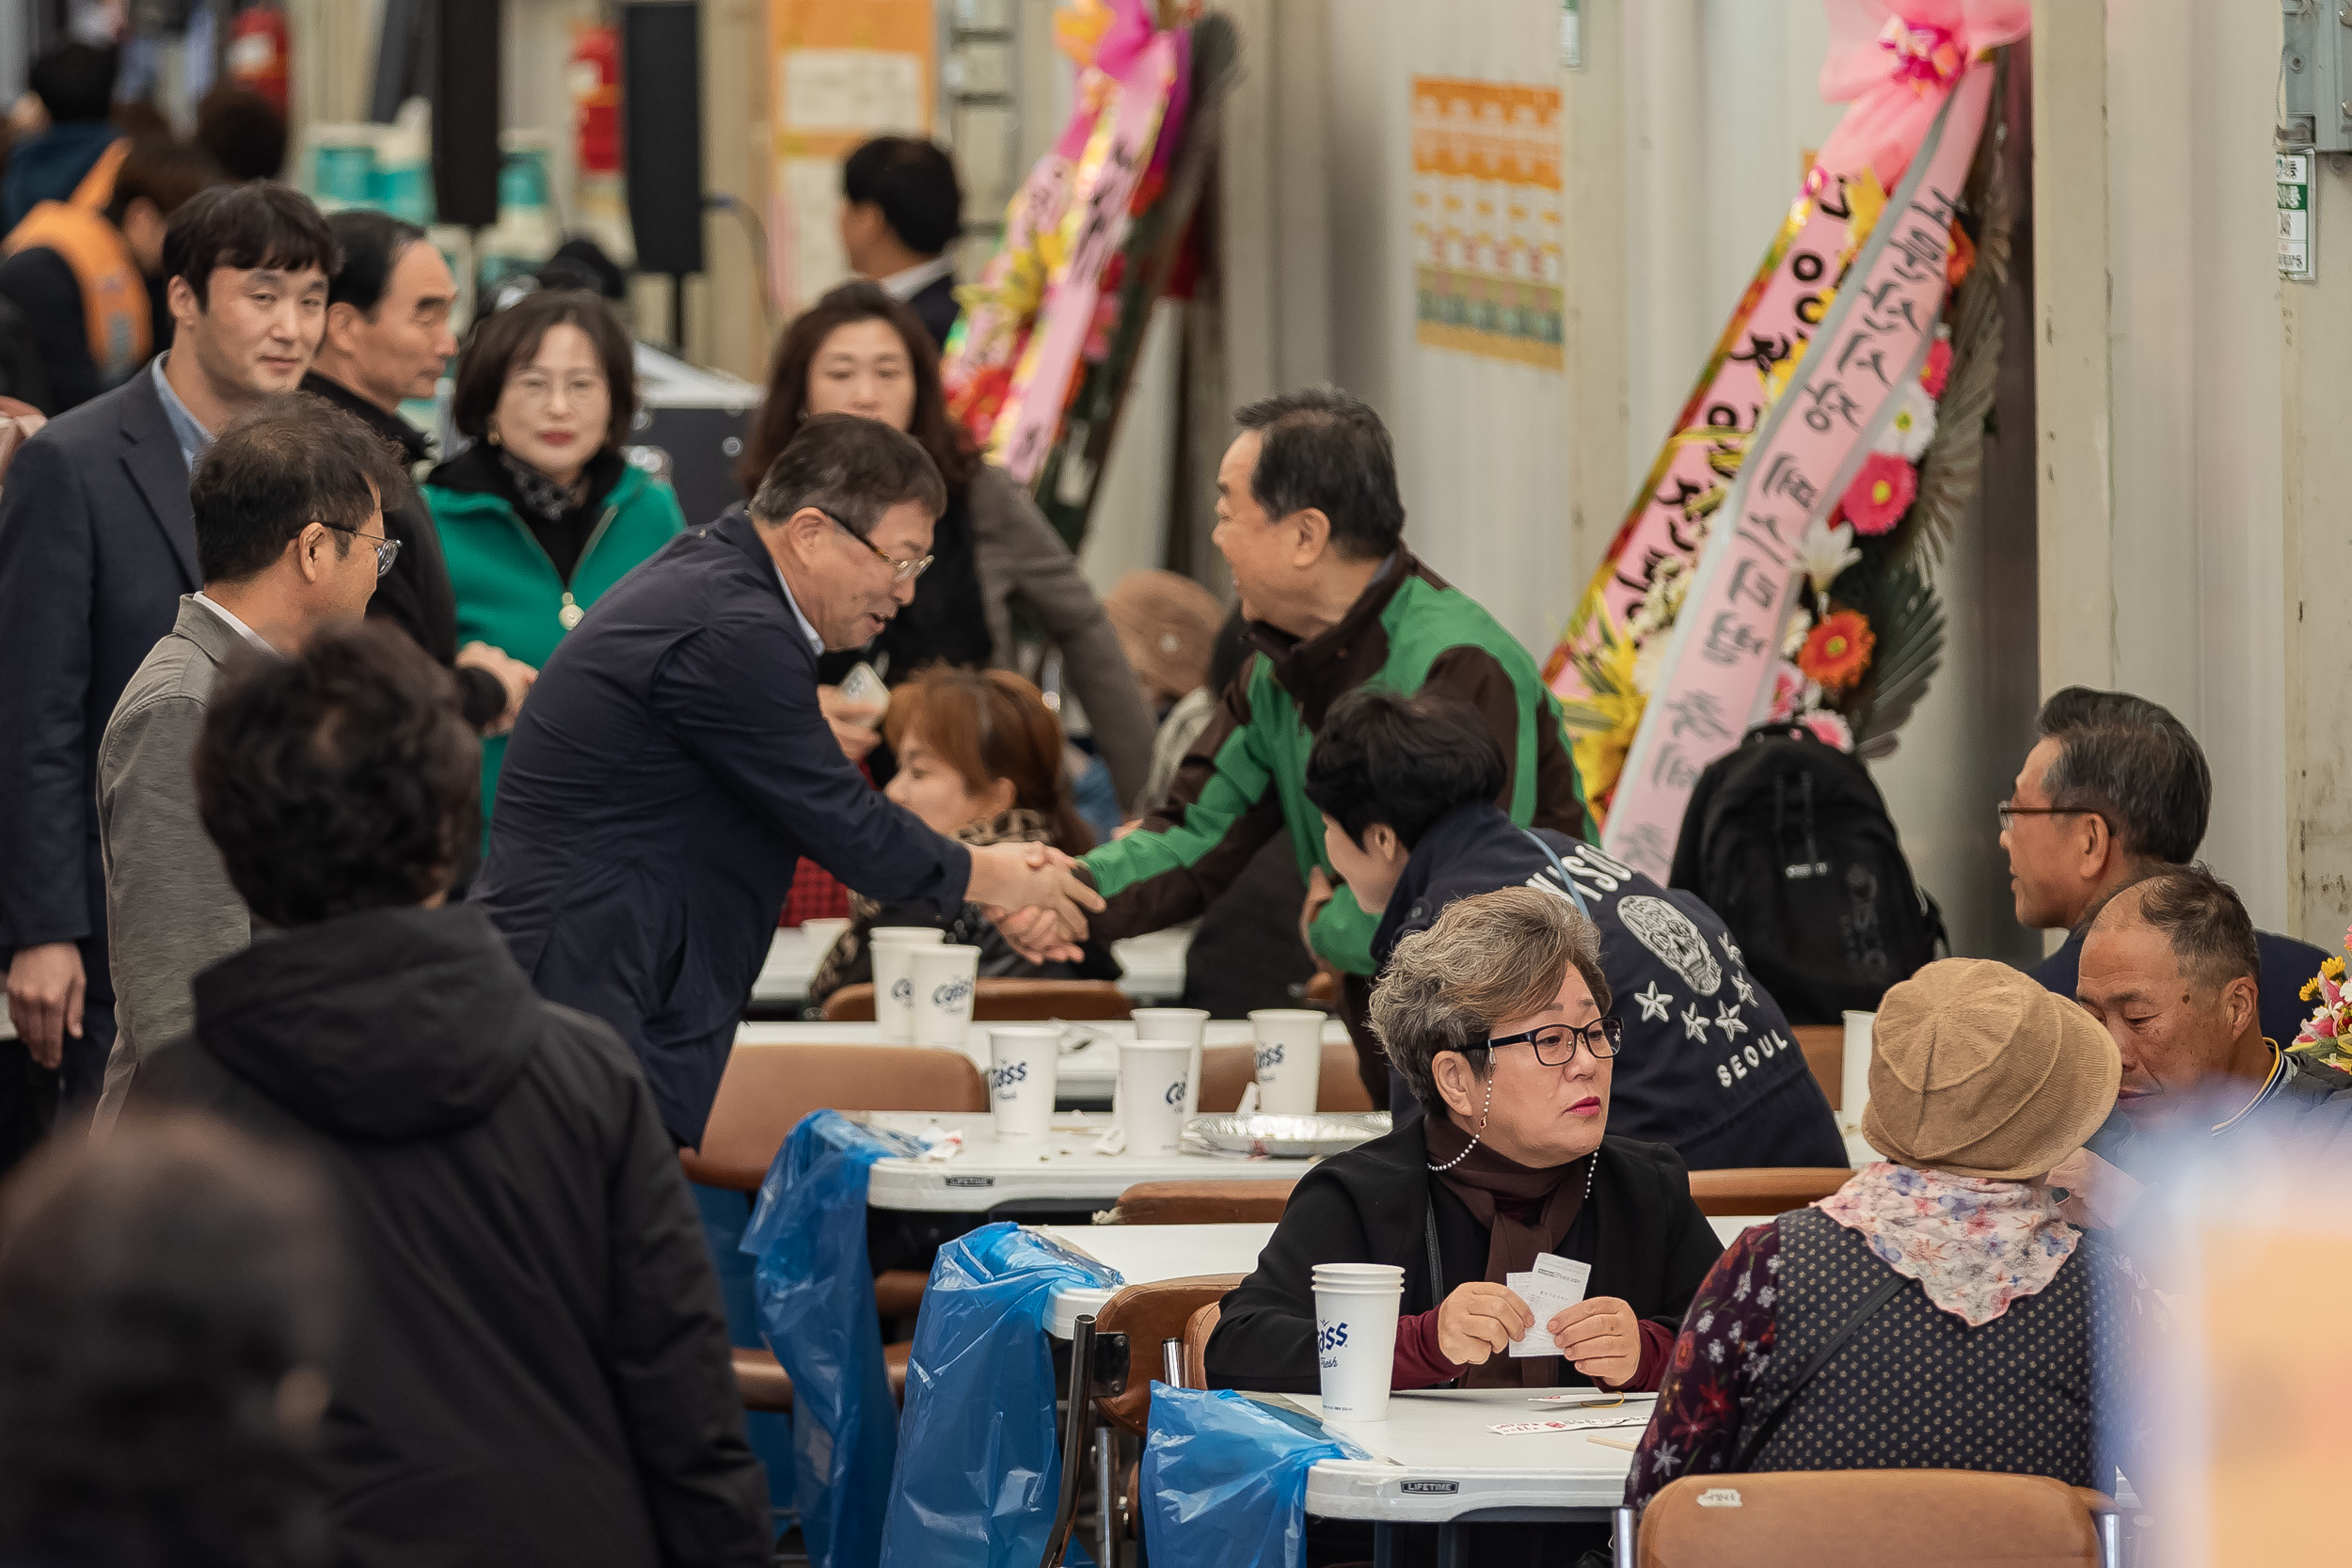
<point x="97" y="544"/>
<point x="386" y="339"/>
<point x="901" y="207"/>
<point x="672" y="765"/>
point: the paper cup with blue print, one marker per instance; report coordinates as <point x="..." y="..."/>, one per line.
<point x="1154" y="1078"/>
<point x="1290" y="1059"/>
<point x="893" y="947"/>
<point x="1022" y="1064"/>
<point x="1355" y="1307"/>
<point x="944" y="979"/>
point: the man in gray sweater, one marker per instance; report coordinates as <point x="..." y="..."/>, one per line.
<point x="290" y="540"/>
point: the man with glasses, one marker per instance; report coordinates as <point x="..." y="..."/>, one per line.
<point x="2115" y="790"/>
<point x="1706" y="1062"/>
<point x="672" y="765"/>
<point x="290" y="539"/>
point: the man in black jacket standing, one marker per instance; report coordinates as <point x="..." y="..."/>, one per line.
<point x="1407" y="786"/>
<point x="537" y="1366"/>
<point x="672" y="765"/>
<point x="387" y="339"/>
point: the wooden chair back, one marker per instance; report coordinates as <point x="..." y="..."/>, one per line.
<point x="1207" y="1202"/>
<point x="1196" y="1331"/>
<point x="767" y="1089"/>
<point x="1764" y="1189"/>
<point x="1868" y="1518"/>
<point x="1005" y="998"/>
<point x="1147" y="1315"/>
<point x="1825" y="1048"/>
<point x="1226" y="1069"/>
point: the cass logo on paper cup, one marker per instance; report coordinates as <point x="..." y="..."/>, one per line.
<point x="902" y="991"/>
<point x="1269" y="1055"/>
<point x="1175" y="1095"/>
<point x="950" y="994"/>
<point x="1003" y="1078"/>
<point x="1331" y="1335"/>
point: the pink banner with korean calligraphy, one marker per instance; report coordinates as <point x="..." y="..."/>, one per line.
<point x="1859" y="372"/>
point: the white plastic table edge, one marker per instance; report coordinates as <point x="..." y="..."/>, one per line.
<point x="1373" y="1489"/>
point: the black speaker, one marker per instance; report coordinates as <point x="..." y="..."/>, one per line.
<point x="661" y="128"/>
<point x="463" y="52"/>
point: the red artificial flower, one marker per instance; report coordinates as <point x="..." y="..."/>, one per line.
<point x="1939" y="368"/>
<point x="1880" y="494"/>
<point x="1963" y="260"/>
<point x="1838" y="650"/>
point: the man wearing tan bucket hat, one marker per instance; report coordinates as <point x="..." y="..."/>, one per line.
<point x="1937" y="1310"/>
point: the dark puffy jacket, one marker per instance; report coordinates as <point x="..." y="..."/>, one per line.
<point x="536" y="1368"/>
<point x="1709" y="1065"/>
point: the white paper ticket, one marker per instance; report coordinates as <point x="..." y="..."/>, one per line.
<point x="1552" y="1284"/>
<point x="1591" y="1423"/>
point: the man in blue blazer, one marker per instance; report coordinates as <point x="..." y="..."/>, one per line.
<point x="97" y="544"/>
<point x="671" y="766"/>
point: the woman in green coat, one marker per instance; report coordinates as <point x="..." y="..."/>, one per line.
<point x="543" y="513"/>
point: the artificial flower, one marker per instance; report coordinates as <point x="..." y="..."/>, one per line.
<point x="1828" y="728"/>
<point x="1938" y="369"/>
<point x="1880" y="494"/>
<point x="1788" y="691"/>
<point x="1912" y="425"/>
<point x="1825" y="552"/>
<point x="1962" y="259"/>
<point x="1838" y="651"/>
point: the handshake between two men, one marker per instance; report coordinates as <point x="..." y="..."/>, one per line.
<point x="1035" y="898"/>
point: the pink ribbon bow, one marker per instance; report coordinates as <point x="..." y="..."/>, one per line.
<point x="1894" y="62"/>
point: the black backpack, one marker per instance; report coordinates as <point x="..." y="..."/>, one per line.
<point x="1787" y="839"/>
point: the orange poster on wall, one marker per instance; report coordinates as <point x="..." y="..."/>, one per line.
<point x="1486" y="219"/>
<point x="839" y="72"/>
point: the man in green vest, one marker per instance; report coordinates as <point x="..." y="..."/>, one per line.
<point x="1308" y="518"/>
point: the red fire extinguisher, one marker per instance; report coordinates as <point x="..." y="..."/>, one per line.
<point x="257" y="52"/>
<point x="595" y="76"/>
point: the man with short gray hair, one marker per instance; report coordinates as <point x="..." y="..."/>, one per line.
<point x="672" y="765"/>
<point x="2115" y="790"/>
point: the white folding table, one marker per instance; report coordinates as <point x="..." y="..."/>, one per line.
<point x="1145" y="1255"/>
<point x="1152" y="966"/>
<point x="1085" y="1077"/>
<point x="1434" y="1462"/>
<point x="1061" y="1171"/>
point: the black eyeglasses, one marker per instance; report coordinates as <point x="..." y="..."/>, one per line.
<point x="904" y="571"/>
<point x="387" y="550"/>
<point x="1555" y="1043"/>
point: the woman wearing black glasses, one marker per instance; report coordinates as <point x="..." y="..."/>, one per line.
<point x="1497" y="1015"/>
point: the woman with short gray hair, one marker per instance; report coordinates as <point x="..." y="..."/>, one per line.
<point x="1498" y="1016"/>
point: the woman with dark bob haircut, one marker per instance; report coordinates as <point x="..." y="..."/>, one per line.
<point x="543" y="512"/>
<point x="858" y="351"/>
<point x="1498" y="1016"/>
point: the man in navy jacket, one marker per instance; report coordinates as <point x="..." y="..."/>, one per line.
<point x="671" y="766"/>
<point x="1407" y="786"/>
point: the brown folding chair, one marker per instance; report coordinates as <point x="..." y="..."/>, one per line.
<point x="1764" y="1189"/>
<point x="1196" y="1331"/>
<point x="1226" y="1069"/>
<point x="1825" y="1048"/>
<point x="1867" y="1518"/>
<point x="1203" y="1203"/>
<point x="1005" y="998"/>
<point x="763" y="1094"/>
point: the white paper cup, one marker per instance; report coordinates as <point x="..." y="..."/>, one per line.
<point x="1853" y="1082"/>
<point x="894" y="977"/>
<point x="1355" y="1307"/>
<point x="1290" y="1059"/>
<point x="944" y="985"/>
<point x="820" y="935"/>
<point x="1177" y="1024"/>
<point x="1154" y="1076"/>
<point x="1022" y="1064"/>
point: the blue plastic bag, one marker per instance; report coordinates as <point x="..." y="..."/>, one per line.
<point x="979" y="1461"/>
<point x="1224" y="1478"/>
<point x="815" y="1293"/>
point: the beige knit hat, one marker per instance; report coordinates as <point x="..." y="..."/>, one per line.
<point x="1978" y="1070"/>
<point x="1168" y="624"/>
